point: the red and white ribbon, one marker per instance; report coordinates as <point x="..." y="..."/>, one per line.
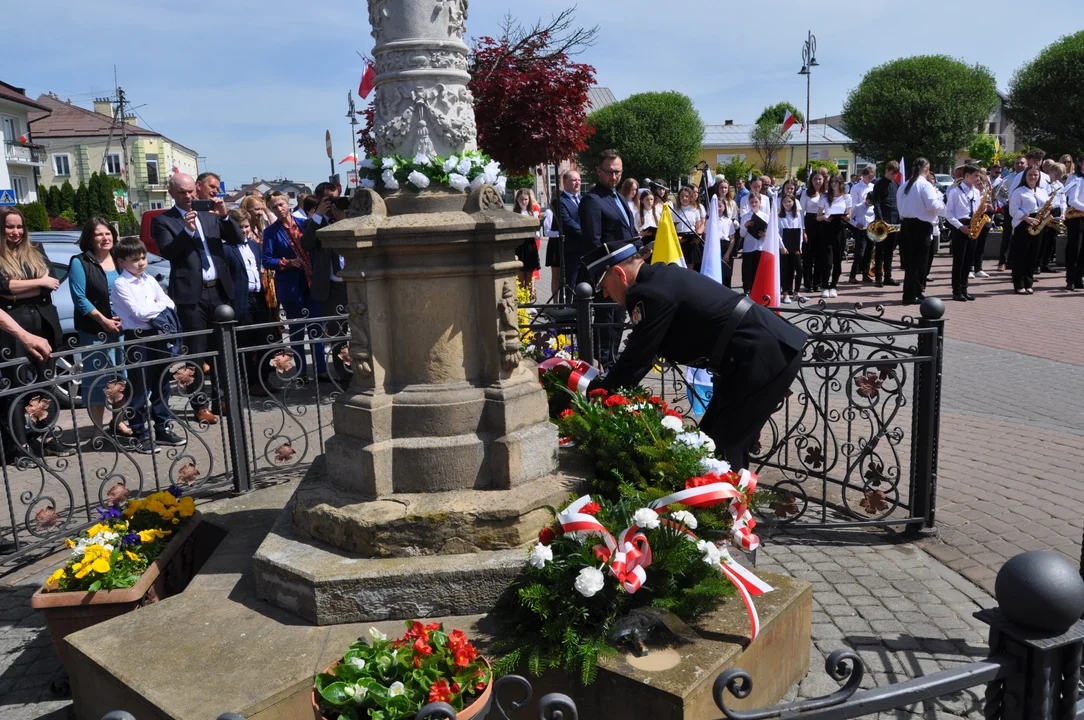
<point x="627" y="556"/>
<point x="741" y="529"/>
<point x="580" y="376"/>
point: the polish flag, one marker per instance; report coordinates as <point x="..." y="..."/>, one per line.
<point x="903" y="173"/>
<point x="766" y="283"/>
<point x="368" y="81"/>
<point x="788" y="121"/>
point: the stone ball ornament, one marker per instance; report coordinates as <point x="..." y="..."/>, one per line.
<point x="1040" y="590"/>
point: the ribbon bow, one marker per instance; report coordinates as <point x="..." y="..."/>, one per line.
<point x="580" y="376"/>
<point x="627" y="556"/>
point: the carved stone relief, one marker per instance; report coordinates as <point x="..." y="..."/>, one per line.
<point x="508" y="318"/>
<point x="360" y="345"/>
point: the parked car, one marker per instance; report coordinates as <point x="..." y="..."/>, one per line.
<point x="59" y="254"/>
<point x="944" y="182"/>
<point x="145" y="229"/>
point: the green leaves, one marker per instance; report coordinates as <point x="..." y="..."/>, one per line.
<point x="1046" y="96"/>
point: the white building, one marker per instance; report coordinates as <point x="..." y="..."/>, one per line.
<point x="18" y="172"/>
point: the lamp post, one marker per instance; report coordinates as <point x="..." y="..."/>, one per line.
<point x="809" y="61"/>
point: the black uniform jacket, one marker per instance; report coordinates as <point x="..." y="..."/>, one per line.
<point x="678" y="313"/>
<point x="185" y="252"/>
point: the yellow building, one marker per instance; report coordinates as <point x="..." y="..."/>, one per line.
<point x="724" y="142"/>
<point x="79" y="142"/>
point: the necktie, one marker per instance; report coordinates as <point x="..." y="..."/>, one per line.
<point x="205" y="261"/>
<point x="621" y="207"/>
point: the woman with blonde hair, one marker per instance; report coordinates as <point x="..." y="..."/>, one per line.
<point x="259" y="216"/>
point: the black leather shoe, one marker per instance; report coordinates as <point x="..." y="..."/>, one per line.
<point x="920" y="297"/>
<point x="890" y="281"/>
<point x="959" y="297"/>
<point x="1071" y="288"/>
<point x="969" y="296"/>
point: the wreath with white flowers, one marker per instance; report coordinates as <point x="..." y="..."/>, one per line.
<point x="467" y="171"/>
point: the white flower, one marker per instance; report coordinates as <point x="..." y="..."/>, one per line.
<point x="419" y="180"/>
<point x="501" y="183"/>
<point x="395" y="689"/>
<point x="712" y="554"/>
<point x="564" y="355"/>
<point x="540" y="555"/>
<point x="686" y="518"/>
<point x="389" y="180"/>
<point x="696" y="439"/>
<point x="646" y="518"/>
<point x="477" y="182"/>
<point x="389" y="164"/>
<point x="464" y="166"/>
<point x="366" y="183"/>
<point x="711" y="465"/>
<point x="589" y="582"/>
<point x="367" y="163"/>
<point x="673" y="423"/>
<point x="459" y="182"/>
<point x="359" y="691"/>
<point x="358" y="663"/>
<point x="707" y="443"/>
<point x="450" y="163"/>
<point x="491" y="171"/>
<point x="376" y="634"/>
<point x="421" y="159"/>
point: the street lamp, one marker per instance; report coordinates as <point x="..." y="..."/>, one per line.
<point x="809" y="61"/>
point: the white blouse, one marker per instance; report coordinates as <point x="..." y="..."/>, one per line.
<point x="810" y="204"/>
<point x="1024" y="202"/>
<point x="686" y="217"/>
<point x="750" y="243"/>
<point x="839" y="206"/>
<point x="789" y="222"/>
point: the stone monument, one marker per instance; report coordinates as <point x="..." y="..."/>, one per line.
<point x="443" y="458"/>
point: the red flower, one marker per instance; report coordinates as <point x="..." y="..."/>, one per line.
<point x="546" y="536"/>
<point x="615" y="400"/>
<point x="656" y="400"/>
<point x="432" y="626"/>
<point x="700" y="481"/>
<point x="590" y="508"/>
<point x="440" y="692"/>
<point x="731" y="477"/>
<point x="597" y="392"/>
<point x="455" y="687"/>
<point x="567" y="413"/>
<point x="417" y="630"/>
<point x="480" y="687"/>
<point x="422" y="648"/>
<point x="465" y="657"/>
<point x="674" y="413"/>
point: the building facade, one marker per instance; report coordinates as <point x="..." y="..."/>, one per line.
<point x="23" y="158"/>
<point x="724" y="142"/>
<point x="79" y="142"/>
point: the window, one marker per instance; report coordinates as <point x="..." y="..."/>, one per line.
<point x="62" y="164"/>
<point x="157" y="205"/>
<point x="11" y="128"/>
<point x="152" y="169"/>
<point x="112" y="163"/>
<point x="844" y="168"/>
<point x="61" y="271"/>
<point x="21" y="188"/>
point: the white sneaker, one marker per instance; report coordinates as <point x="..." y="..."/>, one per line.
<point x="982" y="274"/>
<point x="786" y="299"/>
<point x="971" y="275"/>
<point x="833" y="293"/>
<point x="826" y="293"/>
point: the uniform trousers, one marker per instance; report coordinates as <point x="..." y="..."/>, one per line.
<point x="916" y="235"/>
<point x="830" y="256"/>
<point x="200" y="316"/>
<point x="1074" y="253"/>
<point x="882" y="257"/>
<point x="980" y="249"/>
<point x="863" y="254"/>
<point x="963" y="248"/>
<point x="790" y="272"/>
<point x="1047" y="247"/>
<point x="749" y="263"/>
<point x="1023" y="255"/>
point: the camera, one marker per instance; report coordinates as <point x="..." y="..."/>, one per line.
<point x="341" y="203"/>
<point x="203" y="205"/>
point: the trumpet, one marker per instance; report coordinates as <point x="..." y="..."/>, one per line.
<point x="878" y="230"/>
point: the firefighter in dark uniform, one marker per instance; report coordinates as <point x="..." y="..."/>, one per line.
<point x="690" y="319"/>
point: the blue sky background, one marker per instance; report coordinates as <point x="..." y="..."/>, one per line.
<point x="253" y="85"/>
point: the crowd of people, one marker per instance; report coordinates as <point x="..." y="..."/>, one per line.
<point x="263" y="259"/>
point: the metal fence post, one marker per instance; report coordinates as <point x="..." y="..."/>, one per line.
<point x="585" y="339"/>
<point x="927" y="418"/>
<point x="229" y="381"/>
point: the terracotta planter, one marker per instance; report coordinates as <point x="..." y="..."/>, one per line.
<point x="68" y="612"/>
<point x="477" y="709"/>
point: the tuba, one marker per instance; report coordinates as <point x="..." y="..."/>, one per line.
<point x="1044" y="216"/>
<point x="878" y="230"/>
<point x="979" y="218"/>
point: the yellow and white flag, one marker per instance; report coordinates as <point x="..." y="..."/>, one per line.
<point x="667" y="247"/>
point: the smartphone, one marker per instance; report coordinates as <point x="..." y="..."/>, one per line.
<point x="203" y="205"/>
<point x="342" y="203"/>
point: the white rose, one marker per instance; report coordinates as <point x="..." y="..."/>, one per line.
<point x="376" y="634"/>
<point x="395" y="689"/>
<point x="477" y="182"/>
<point x="450" y="163"/>
<point x="501" y="184"/>
<point x="389" y="180"/>
<point x="389" y="164"/>
<point x="421" y="159"/>
<point x="673" y="423"/>
<point x="419" y="180"/>
<point x="589" y="582"/>
<point x="459" y="182"/>
<point x="366" y="183"/>
<point x="492" y="170"/>
<point x="686" y="518"/>
<point x="711" y="465"/>
<point x="646" y="518"/>
<point x="464" y="166"/>
<point x="540" y="555"/>
<point x="367" y="163"/>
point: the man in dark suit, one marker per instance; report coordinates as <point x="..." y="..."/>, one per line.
<point x="250" y="304"/>
<point x="199" y="276"/>
<point x="327" y="287"/>
<point x="568" y="213"/>
<point x="606" y="217"/>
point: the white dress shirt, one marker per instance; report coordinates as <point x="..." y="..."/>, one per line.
<point x="750" y="243"/>
<point x="809" y="203"/>
<point x="138" y="300"/>
<point x="252" y="270"/>
<point x="863" y="214"/>
<point x="1074" y="192"/>
<point x="961" y="204"/>
<point x="1018" y="179"/>
<point x="209" y="273"/>
<point x="1059" y="199"/>
<point x="1024" y="202"/>
<point x="839" y="206"/>
<point x="791" y="222"/>
<point x="923" y="202"/>
<point x="765" y="203"/>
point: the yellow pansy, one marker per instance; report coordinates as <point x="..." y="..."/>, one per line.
<point x="69" y="543"/>
<point x="131" y="555"/>
<point x="95" y="529"/>
<point x="96" y="559"/>
<point x="56" y="577"/>
<point x="186" y="507"/>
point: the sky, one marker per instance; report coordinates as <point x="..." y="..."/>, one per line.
<point x="252" y="86"/>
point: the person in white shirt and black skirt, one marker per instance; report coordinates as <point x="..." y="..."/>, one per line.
<point x="1050" y="235"/>
<point x="920" y="205"/>
<point x="791" y="224"/>
<point x="960" y="207"/>
<point x="1074" y="242"/>
<point x="810" y="200"/>
<point x="833" y="214"/>
<point x="754" y="225"/>
<point x="1024" y="204"/>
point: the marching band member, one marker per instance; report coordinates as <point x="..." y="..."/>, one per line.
<point x="1074" y="242"/>
<point x="1008" y="181"/>
<point x="810" y="200"/>
<point x="980" y="243"/>
<point x="885" y="210"/>
<point x="861" y="216"/>
<point x="920" y="205"/>
<point x="959" y="209"/>
<point x="833" y="212"/>
<point x="1050" y="234"/>
<point x="1024" y="205"/>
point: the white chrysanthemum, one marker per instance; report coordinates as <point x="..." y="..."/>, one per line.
<point x="501" y="184"/>
<point x="367" y="163"/>
<point x="389" y="180"/>
<point x="712" y="465"/>
<point x="366" y="183"/>
<point x="464" y="166"/>
<point x="396" y="689"/>
<point x="686" y="518"/>
<point x="713" y="555"/>
<point x="646" y="518"/>
<point x="418" y="180"/>
<point x="376" y="634"/>
<point x="422" y="159"/>
<point x="450" y="164"/>
<point x="389" y="164"/>
<point x="459" y="182"/>
<point x="589" y="582"/>
<point x="540" y="555"/>
<point x="492" y="171"/>
<point x="477" y="182"/>
<point x="673" y="423"/>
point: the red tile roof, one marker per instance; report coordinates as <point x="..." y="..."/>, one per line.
<point x="68" y="120"/>
<point x="18" y="94"/>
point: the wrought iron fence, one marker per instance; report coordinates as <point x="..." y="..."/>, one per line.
<point x="854" y="444"/>
<point x="59" y="462"/>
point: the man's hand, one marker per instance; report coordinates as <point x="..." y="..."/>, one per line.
<point x="190" y="221"/>
<point x="38" y="347"/>
<point x="220" y="207"/>
<point x="323" y="208"/>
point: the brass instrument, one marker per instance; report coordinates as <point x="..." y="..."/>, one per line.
<point x="1072" y="214"/>
<point x="979" y="218"/>
<point x="1044" y="215"/>
<point x="878" y="230"/>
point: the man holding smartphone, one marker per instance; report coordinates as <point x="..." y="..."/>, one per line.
<point x="190" y="235"/>
<point x="327" y="287"/>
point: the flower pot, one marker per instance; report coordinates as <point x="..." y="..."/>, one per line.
<point x="68" y="612"/>
<point x="477" y="709"/>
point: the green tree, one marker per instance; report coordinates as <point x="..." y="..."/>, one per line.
<point x="44" y="199"/>
<point x="803" y="172"/>
<point x="129" y="225"/>
<point x="927" y="105"/>
<point x="67" y="197"/>
<point x="735" y="168"/>
<point x="659" y="135"/>
<point x="982" y="149"/>
<point x="776" y="113"/>
<point x="68" y="215"/>
<point x="55" y="203"/>
<point x="37" y="217"/>
<point x="82" y="205"/>
<point x="769" y="140"/>
<point x="1046" y="96"/>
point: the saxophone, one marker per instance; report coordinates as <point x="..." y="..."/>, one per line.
<point x="979" y="218"/>
<point x="1044" y="215"/>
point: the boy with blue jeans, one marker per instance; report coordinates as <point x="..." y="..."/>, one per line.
<point x="145" y="310"/>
